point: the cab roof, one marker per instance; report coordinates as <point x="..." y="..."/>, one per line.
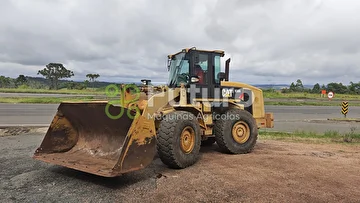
<point x="186" y="50"/>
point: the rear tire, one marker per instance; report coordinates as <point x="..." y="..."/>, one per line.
<point x="236" y="132"/>
<point x="179" y="140"/>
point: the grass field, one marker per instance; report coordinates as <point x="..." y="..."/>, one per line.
<point x="297" y="95"/>
<point x="43" y="100"/>
<point x="305" y="136"/>
<point x="310" y="103"/>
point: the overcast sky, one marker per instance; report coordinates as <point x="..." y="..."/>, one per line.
<point x="269" y="41"/>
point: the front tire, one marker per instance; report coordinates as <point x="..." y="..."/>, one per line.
<point x="236" y="132"/>
<point x="179" y="140"/>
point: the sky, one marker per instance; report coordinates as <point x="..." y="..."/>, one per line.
<point x="268" y="41"/>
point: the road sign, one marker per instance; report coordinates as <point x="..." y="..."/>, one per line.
<point x="345" y="108"/>
<point x="330" y="95"/>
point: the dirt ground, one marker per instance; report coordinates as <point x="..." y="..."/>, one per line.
<point x="275" y="171"/>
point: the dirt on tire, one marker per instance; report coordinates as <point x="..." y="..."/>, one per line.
<point x="224" y="135"/>
<point x="169" y="139"/>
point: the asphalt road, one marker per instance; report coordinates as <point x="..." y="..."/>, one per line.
<point x="26" y="114"/>
<point x="312" y="118"/>
<point x="287" y="118"/>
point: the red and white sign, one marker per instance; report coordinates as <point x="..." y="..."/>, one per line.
<point x="330" y="95"/>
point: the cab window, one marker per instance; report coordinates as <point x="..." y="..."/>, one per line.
<point x="201" y="68"/>
<point x="217" y="69"/>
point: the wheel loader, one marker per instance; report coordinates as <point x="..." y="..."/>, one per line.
<point x="198" y="106"/>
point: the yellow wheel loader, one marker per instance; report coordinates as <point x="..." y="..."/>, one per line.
<point x="198" y="106"/>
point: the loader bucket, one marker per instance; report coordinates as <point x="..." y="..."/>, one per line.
<point x="83" y="137"/>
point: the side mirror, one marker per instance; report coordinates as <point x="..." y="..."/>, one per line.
<point x="222" y="76"/>
<point x="227" y="67"/>
<point x="194" y="79"/>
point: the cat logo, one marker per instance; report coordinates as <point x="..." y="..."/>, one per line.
<point x="227" y="92"/>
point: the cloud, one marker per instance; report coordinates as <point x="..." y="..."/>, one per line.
<point x="274" y="41"/>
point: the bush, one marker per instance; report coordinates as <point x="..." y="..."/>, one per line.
<point x="348" y="137"/>
<point x="70" y="85"/>
<point x="286" y="90"/>
<point x="23" y="87"/>
<point x="80" y="86"/>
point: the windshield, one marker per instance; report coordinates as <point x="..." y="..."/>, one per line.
<point x="179" y="70"/>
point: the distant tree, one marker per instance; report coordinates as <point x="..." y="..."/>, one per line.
<point x="338" y="88"/>
<point x="54" y="72"/>
<point x="80" y="86"/>
<point x="292" y="87"/>
<point x="316" y="88"/>
<point x="92" y="77"/>
<point x="70" y="85"/>
<point x="34" y="84"/>
<point x="86" y="83"/>
<point x="299" y="83"/>
<point x="354" y="88"/>
<point x="299" y="86"/>
<point x="21" y="80"/>
<point x="5" y="81"/>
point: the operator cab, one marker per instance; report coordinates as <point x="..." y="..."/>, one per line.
<point x="191" y="66"/>
<point x="201" y="68"/>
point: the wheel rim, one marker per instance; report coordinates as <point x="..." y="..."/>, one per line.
<point x="241" y="132"/>
<point x="187" y="140"/>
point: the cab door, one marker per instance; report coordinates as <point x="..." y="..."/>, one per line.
<point x="214" y="87"/>
<point x="200" y="68"/>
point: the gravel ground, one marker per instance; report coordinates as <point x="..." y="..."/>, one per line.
<point x="275" y="171"/>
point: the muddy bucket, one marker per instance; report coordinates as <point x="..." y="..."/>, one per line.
<point x="84" y="137"/>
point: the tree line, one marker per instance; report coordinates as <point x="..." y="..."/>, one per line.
<point x="53" y="73"/>
<point x="339" y="88"/>
<point x="7" y="82"/>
